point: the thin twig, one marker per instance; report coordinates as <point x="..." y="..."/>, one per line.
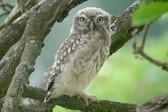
<point x="6" y="8"/>
<point x="164" y="65"/>
<point x="8" y="5"/>
<point x="22" y="6"/>
<point x="10" y="17"/>
<point x="134" y="44"/>
<point x="144" y="36"/>
<point x="4" y="13"/>
<point x="13" y="14"/>
<point x="140" y="51"/>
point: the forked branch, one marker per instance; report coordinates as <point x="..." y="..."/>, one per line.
<point x="140" y="51"/>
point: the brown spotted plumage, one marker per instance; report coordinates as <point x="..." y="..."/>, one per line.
<point x="81" y="56"/>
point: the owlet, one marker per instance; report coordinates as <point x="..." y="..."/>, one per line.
<point x="81" y="56"/>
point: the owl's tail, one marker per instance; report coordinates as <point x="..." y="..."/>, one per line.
<point x="50" y="90"/>
<point x="47" y="98"/>
<point x="51" y="81"/>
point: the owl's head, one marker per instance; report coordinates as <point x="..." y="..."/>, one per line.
<point x="91" y="18"/>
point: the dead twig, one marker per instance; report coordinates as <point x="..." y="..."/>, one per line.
<point x="15" y="12"/>
<point x="22" y="6"/>
<point x="5" y="8"/>
<point x="139" y="50"/>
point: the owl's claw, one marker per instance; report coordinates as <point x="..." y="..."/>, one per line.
<point x="87" y="97"/>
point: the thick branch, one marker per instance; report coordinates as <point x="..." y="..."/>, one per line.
<point x="159" y="104"/>
<point x="7" y="72"/>
<point x="122" y="25"/>
<point x="78" y="104"/>
<point x="22" y="6"/>
<point x="163" y="65"/>
<point x="11" y="35"/>
<point x="29" y="105"/>
<point x="70" y="103"/>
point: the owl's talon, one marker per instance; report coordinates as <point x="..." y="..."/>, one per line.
<point x="87" y="97"/>
<point x="91" y="98"/>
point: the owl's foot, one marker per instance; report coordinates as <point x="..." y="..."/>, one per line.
<point x="87" y="97"/>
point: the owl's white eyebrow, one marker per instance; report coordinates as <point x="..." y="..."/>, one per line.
<point x="82" y="16"/>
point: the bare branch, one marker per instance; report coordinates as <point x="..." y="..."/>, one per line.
<point x="6" y="8"/>
<point x="30" y="105"/>
<point x="145" y="35"/>
<point x="3" y="13"/>
<point x="7" y="72"/>
<point x="78" y="103"/>
<point x="5" y="4"/>
<point x="159" y="104"/>
<point x="22" y="6"/>
<point x="140" y="50"/>
<point x="16" y="13"/>
<point x="6" y="58"/>
<point x="12" y="34"/>
<point x="123" y="27"/>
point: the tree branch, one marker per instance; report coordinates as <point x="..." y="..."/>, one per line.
<point x="122" y="25"/>
<point x="22" y="6"/>
<point x="7" y="72"/>
<point x="5" y="8"/>
<point x="15" y="12"/>
<point x="140" y="51"/>
<point x="13" y="32"/>
<point x="11" y="35"/>
<point x="78" y="103"/>
<point x="159" y="104"/>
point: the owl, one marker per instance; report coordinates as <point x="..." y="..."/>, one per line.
<point x="81" y="56"/>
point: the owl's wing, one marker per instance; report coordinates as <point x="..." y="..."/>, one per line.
<point x="67" y="47"/>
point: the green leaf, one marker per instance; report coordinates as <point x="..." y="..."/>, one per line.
<point x="149" y="12"/>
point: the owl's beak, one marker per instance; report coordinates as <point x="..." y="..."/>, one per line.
<point x="91" y="25"/>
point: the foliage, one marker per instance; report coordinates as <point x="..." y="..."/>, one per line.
<point x="147" y="13"/>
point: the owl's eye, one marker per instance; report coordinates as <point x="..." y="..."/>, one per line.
<point x="82" y="19"/>
<point x="100" y="19"/>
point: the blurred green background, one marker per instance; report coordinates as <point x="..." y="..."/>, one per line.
<point x="122" y="78"/>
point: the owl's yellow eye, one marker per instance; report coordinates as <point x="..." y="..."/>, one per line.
<point x="100" y="19"/>
<point x="82" y="19"/>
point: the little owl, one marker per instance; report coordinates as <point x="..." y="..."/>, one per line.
<point x="81" y="56"/>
